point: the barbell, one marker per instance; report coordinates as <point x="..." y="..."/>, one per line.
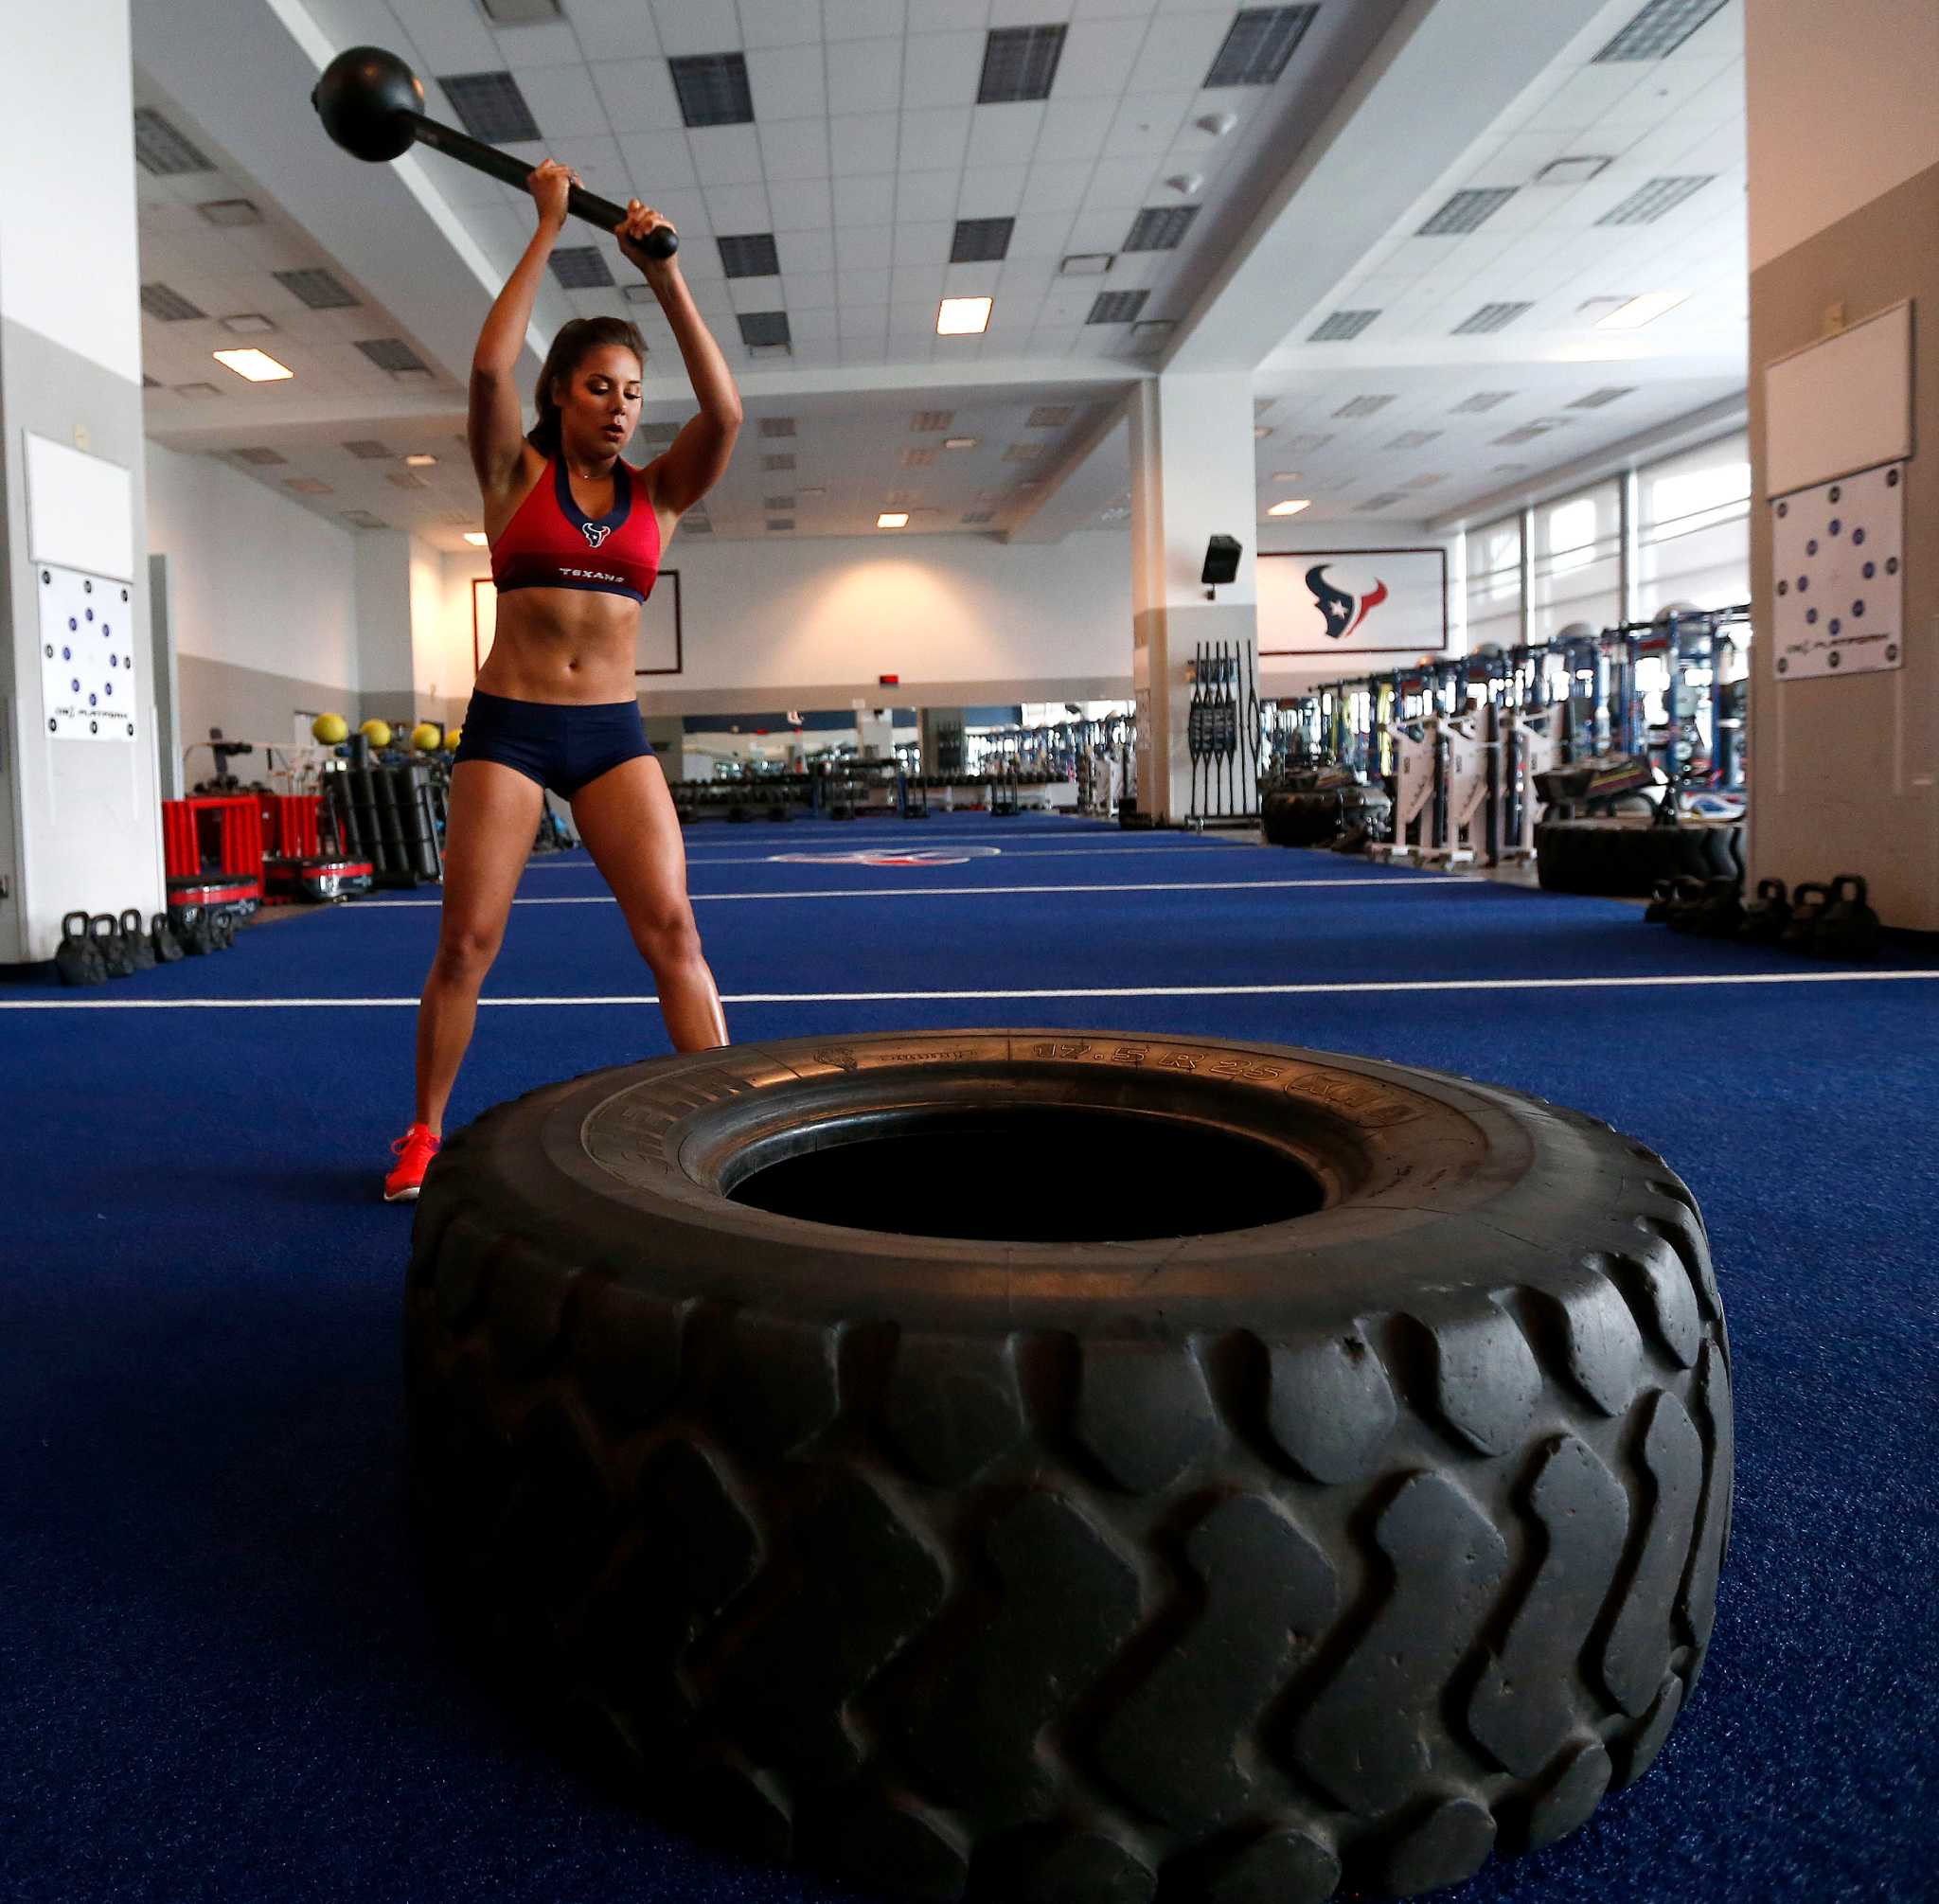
<point x="372" y="105"/>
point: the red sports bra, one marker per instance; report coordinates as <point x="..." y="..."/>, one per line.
<point x="552" y="542"/>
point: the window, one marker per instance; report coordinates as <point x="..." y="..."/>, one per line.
<point x="1694" y="528"/>
<point x="1494" y="584"/>
<point x="1577" y="573"/>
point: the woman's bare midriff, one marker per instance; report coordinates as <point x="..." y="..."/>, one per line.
<point x="563" y="645"/>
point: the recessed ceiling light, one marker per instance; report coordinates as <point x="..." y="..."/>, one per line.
<point x="1261" y="430"/>
<point x="420" y="460"/>
<point x="247" y="324"/>
<point x="475" y="537"/>
<point x="1572" y="171"/>
<point x="963" y="316"/>
<point x="257" y="365"/>
<point x="1286" y="476"/>
<point x="1086" y="264"/>
<point x="818" y="490"/>
<point x="1289" y="509"/>
<point x="230" y="211"/>
<point x="1641" y="311"/>
<point x="893" y="519"/>
<point x="961" y="442"/>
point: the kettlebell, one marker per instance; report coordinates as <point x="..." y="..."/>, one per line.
<point x="222" y="930"/>
<point x="190" y="924"/>
<point x="1808" y="902"/>
<point x="78" y="960"/>
<point x="1766" y="916"/>
<point x="162" y="936"/>
<point x="1686" y="898"/>
<point x="1663" y="896"/>
<point x="1723" y="909"/>
<point x="141" y="956"/>
<point x="105" y="931"/>
<point x="1847" y="928"/>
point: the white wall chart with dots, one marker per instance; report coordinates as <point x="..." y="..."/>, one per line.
<point x="88" y="688"/>
<point x="1838" y="553"/>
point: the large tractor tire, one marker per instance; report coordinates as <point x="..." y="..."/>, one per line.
<point x="1028" y="1464"/>
<point x="1625" y="860"/>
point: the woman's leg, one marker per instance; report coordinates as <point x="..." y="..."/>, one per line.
<point x="625" y="818"/>
<point x="491" y="821"/>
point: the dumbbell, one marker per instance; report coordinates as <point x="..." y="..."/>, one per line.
<point x="372" y="105"/>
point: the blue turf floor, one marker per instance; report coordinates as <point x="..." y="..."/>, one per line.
<point x="218" y="1676"/>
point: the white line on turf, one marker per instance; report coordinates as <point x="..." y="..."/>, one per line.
<point x="1356" y="986"/>
<point x="977" y="891"/>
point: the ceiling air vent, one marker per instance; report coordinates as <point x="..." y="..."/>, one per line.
<point x="1480" y="400"/>
<point x="1160" y="227"/>
<point x="695" y="525"/>
<point x="976" y="518"/>
<point x="1414" y="440"/>
<point x="1596" y="399"/>
<point x="392" y="354"/>
<point x="520" y="12"/>
<point x="580" y="267"/>
<point x="1022" y="453"/>
<point x="1650" y="202"/>
<point x="490" y="107"/>
<point x="197" y="390"/>
<point x="1527" y="433"/>
<point x="1294" y="446"/>
<point x="1258" y="44"/>
<point x="318" y="288"/>
<point x="925" y="422"/>
<point x="370" y="449"/>
<point x="1048" y="417"/>
<point x="1343" y="325"/>
<point x="1490" y="317"/>
<point x="916" y="459"/>
<point x="262" y="458"/>
<point x="981" y="240"/>
<point x="1572" y="172"/>
<point x="1362" y="407"/>
<point x="1427" y="482"/>
<point x="1657" y="31"/>
<point x="161" y="149"/>
<point x="363" y="518"/>
<point x="777" y="426"/>
<point x="1381" y="502"/>
<point x="764" y="328"/>
<point x="1019" y="62"/>
<point x="406" y="479"/>
<point x="772" y="466"/>
<point x="158" y="301"/>
<point x="751" y="255"/>
<point x="1466" y="211"/>
<point x="713" y="89"/>
<point x="307" y="486"/>
<point x="230" y="211"/>
<point x="1087" y="264"/>
<point x="780" y="522"/>
<point x="1117" y="306"/>
<point x="781" y="504"/>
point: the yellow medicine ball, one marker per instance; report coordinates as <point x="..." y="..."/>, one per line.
<point x="377" y="732"/>
<point x="331" y="729"/>
<point x="426" y="736"/>
<point x="452" y="736"/>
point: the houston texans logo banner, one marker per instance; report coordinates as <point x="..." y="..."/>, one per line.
<point x="1370" y="602"/>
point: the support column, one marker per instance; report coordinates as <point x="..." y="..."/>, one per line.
<point x="942" y="740"/>
<point x="1192" y="478"/>
<point x="1845" y="225"/>
<point x="80" y="783"/>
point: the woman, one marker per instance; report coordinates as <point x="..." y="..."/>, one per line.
<point x="576" y="537"/>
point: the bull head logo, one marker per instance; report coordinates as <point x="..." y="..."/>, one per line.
<point x="1343" y="611"/>
<point x="597" y="532"/>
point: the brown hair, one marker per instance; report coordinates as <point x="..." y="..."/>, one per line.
<point x="575" y="343"/>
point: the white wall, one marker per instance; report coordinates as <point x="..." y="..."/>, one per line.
<point x="440" y="647"/>
<point x="66" y="206"/>
<point x="254" y="581"/>
<point x="1828" y="133"/>
<point x="936" y="610"/>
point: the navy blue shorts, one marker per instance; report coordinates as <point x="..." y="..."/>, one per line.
<point x="562" y="746"/>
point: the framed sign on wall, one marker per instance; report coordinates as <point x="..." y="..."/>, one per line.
<point x="1358" y="602"/>
<point x="657" y="648"/>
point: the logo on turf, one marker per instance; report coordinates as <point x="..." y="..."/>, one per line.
<point x="889" y="856"/>
<point x="597" y="532"/>
<point x="1343" y="611"/>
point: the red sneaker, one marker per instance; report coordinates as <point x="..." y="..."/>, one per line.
<point x="414" y="1151"/>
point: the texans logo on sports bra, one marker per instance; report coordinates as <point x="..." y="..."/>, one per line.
<point x="597" y="532"/>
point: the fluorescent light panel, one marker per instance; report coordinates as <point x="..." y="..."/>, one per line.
<point x="1641" y="311"/>
<point x="258" y="366"/>
<point x="1289" y="509"/>
<point x="963" y="316"/>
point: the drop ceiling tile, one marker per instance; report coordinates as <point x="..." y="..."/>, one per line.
<point x="927" y="198"/>
<point x="451" y="39"/>
<point x="859" y="289"/>
<point x="992" y="191"/>
<point x="942" y="69"/>
<point x="1100" y="231"/>
<point x="737" y="208"/>
<point x="925" y="243"/>
<point x="865" y="76"/>
<point x="807" y="289"/>
<point x="787" y="84"/>
<point x="865" y="247"/>
<point x="1098" y="57"/>
<point x="859" y="321"/>
<point x="563" y="99"/>
<point x="870" y="200"/>
<point x="1113" y="10"/>
<point x="911" y="318"/>
<point x="1001" y="134"/>
<point x="525" y="49"/>
<point x="598" y="160"/>
<point x="864" y="143"/>
<point x="689" y="27"/>
<point x="728" y="155"/>
<point x="1041" y="232"/>
<point x="1146" y="123"/>
<point x="862" y="19"/>
<point x="755" y="293"/>
<point x="945" y="16"/>
<point x="1028" y="12"/>
<point x="1119" y="183"/>
<point x="795" y="149"/>
<point x="639" y="96"/>
<point x="657" y="160"/>
<point x="802" y="205"/>
<point x="815" y="322"/>
<point x="935" y="139"/>
<point x="921" y="284"/>
<point x="1179" y="46"/>
<point x="1074" y="131"/>
<point x="971" y="280"/>
<point x="607" y="29"/>
<point x="1025" y="277"/>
